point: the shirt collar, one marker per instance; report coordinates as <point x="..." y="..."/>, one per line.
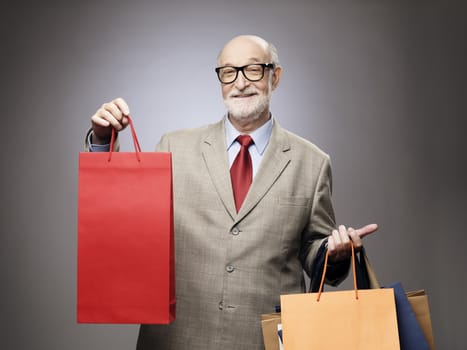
<point x="260" y="136"/>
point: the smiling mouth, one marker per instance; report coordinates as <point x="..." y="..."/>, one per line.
<point x="243" y="95"/>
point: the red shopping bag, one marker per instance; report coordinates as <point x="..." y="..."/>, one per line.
<point x="125" y="237"/>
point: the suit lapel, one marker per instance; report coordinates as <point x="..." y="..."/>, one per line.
<point x="274" y="162"/>
<point x="214" y="152"/>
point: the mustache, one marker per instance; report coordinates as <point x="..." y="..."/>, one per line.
<point x="246" y="92"/>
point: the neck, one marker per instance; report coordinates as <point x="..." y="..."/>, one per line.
<point x="250" y="124"/>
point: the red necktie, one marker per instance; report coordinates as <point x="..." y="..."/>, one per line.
<point x="241" y="172"/>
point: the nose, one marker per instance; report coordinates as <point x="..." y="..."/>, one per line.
<point x="241" y="82"/>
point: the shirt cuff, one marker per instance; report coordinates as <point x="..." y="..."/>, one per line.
<point x="95" y="147"/>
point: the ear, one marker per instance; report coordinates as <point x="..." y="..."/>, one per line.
<point x="276" y="76"/>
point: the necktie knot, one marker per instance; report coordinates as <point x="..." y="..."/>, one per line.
<point x="245" y="140"/>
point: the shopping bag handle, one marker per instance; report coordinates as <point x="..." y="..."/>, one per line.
<point x="133" y="135"/>
<point x="324" y="274"/>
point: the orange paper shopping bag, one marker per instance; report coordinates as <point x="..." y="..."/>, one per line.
<point x="125" y="237"/>
<point x="354" y="319"/>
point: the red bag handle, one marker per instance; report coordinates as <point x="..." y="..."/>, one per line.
<point x="134" y="137"/>
<point x="353" y="271"/>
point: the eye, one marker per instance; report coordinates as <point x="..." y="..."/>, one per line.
<point x="254" y="69"/>
<point x="228" y="71"/>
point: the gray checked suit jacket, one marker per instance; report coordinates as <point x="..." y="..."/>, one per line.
<point x="232" y="267"/>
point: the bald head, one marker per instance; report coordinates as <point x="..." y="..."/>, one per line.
<point x="248" y="47"/>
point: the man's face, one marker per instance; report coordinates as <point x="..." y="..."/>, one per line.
<point x="245" y="99"/>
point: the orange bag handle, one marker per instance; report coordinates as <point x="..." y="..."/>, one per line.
<point x="324" y="274"/>
<point x="134" y="137"/>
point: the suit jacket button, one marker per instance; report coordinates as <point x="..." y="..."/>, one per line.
<point x="229" y="268"/>
<point x="221" y="305"/>
<point x="235" y="231"/>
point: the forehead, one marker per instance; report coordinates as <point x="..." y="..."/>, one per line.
<point x="244" y="51"/>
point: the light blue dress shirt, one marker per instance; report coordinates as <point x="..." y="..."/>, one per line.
<point x="93" y="147"/>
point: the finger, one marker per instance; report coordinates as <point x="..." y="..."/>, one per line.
<point x="340" y="240"/>
<point x="356" y="240"/>
<point x="125" y="121"/>
<point x="333" y="242"/>
<point x="339" y="244"/>
<point x="331" y="245"/>
<point x="337" y="238"/>
<point x="113" y="109"/>
<point x="110" y="118"/>
<point x="99" y="121"/>
<point x="344" y="250"/>
<point x="345" y="239"/>
<point x="122" y="106"/>
<point x="366" y="230"/>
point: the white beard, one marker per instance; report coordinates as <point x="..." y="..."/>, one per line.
<point x="248" y="108"/>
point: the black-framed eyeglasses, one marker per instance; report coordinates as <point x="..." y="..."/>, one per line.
<point x="252" y="72"/>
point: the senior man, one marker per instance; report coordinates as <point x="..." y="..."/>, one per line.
<point x="252" y="207"/>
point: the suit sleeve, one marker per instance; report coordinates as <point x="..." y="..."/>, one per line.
<point x="163" y="145"/>
<point x="87" y="145"/>
<point x="320" y="226"/>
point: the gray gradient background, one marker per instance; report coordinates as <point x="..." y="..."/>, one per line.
<point x="379" y="85"/>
